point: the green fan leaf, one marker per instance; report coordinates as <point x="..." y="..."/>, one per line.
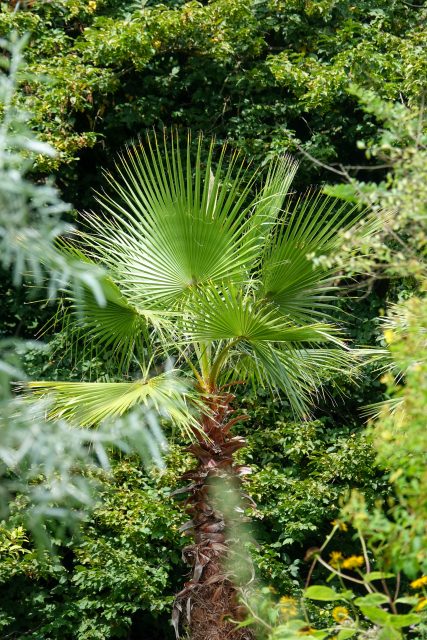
<point x="174" y="225"/>
<point x="221" y="313"/>
<point x="89" y="403"/>
<point x="291" y="277"/>
<point x="116" y="330"/>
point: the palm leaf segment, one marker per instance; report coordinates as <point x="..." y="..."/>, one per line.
<point x="229" y="277"/>
<point x="89" y="403"/>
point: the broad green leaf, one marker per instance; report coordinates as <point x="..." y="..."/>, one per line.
<point x="404" y="620"/>
<point x="388" y="633"/>
<point x="319" y="592"/>
<point x="295" y="624"/>
<point x="377" y="575"/>
<point x="375" y="614"/>
<point x="344" y="634"/>
<point x="372" y="599"/>
<point x="345" y="192"/>
<point x="245" y="623"/>
<point x="412" y="600"/>
<point x="297" y="628"/>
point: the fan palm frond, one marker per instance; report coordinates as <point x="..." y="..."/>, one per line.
<point x="117" y="330"/>
<point x="227" y="313"/>
<point x="89" y="403"/>
<point x="377" y="410"/>
<point x="299" y="373"/>
<point x="174" y="226"/>
<point x="220" y="274"/>
<point x="291" y="277"/>
<point x="270" y="200"/>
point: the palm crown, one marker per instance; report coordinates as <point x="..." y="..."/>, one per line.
<point x="200" y="266"/>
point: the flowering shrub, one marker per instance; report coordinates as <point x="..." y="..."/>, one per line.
<point x="369" y="602"/>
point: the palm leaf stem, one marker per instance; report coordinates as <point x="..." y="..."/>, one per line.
<point x="204" y="360"/>
<point x="219" y="361"/>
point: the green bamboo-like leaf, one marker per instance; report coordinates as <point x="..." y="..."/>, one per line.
<point x="89" y="403"/>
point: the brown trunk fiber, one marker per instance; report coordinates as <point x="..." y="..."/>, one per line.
<point x="208" y="603"/>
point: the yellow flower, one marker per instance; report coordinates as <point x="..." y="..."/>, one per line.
<point x="91" y="5"/>
<point x="353" y="562"/>
<point x="340" y="614"/>
<point x="421" y="605"/>
<point x="288" y="606"/>
<point x="419" y="583"/>
<point x="341" y="525"/>
<point x="389" y="336"/>
<point x="335" y="558"/>
<point x="387" y="378"/>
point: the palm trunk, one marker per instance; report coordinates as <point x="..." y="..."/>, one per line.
<point x="208" y="603"/>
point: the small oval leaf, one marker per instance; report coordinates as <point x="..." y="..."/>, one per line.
<point x="405" y="620"/>
<point x="318" y="592"/>
<point x="373" y="599"/>
<point x="377" y="575"/>
<point x="376" y="615"/>
<point x="346" y="633"/>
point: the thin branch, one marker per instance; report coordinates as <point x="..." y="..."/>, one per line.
<point x="310" y="573"/>
<point x="420" y="124"/>
<point x="388" y="594"/>
<point x="318" y="162"/>
<point x="343" y="575"/>
<point x="396" y="593"/>
<point x="365" y="551"/>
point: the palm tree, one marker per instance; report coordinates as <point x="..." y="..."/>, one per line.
<point x="228" y="283"/>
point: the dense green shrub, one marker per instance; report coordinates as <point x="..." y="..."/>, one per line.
<point x="268" y="75"/>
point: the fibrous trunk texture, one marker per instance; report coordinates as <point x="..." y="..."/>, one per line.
<point x="208" y="604"/>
